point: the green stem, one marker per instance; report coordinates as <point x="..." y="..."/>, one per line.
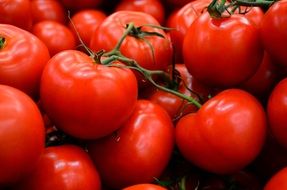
<point x="2" y="42"/>
<point x="148" y="75"/>
<point x="115" y="55"/>
<point x="258" y="3"/>
<point x="116" y="50"/>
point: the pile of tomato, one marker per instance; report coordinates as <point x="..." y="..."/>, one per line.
<point x="143" y="95"/>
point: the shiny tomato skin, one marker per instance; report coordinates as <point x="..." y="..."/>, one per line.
<point x="112" y="28"/>
<point x="264" y="79"/>
<point x="48" y="10"/>
<point x="222" y="52"/>
<point x="17" y="13"/>
<point x="151" y="7"/>
<point x="55" y="35"/>
<point x="140" y="150"/>
<point x="85" y="99"/>
<point x="22" y="135"/>
<point x="85" y="22"/>
<point x="274" y="31"/>
<point x="63" y="167"/>
<point x="180" y="20"/>
<point x="145" y="187"/>
<point x="276" y="110"/>
<point x="22" y="59"/>
<point x="278" y="181"/>
<point x="230" y="128"/>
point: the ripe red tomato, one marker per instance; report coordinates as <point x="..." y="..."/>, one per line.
<point x="230" y="128"/>
<point x="22" y="59"/>
<point x="112" y="28"/>
<point x="85" y="99"/>
<point x="55" y="35"/>
<point x="222" y="52"/>
<point x="85" y="22"/>
<point x="22" y="135"/>
<point x="278" y="181"/>
<point x="152" y="7"/>
<point x="277" y="109"/>
<point x="180" y="20"/>
<point x="274" y="31"/>
<point x="145" y="187"/>
<point x="61" y="167"/>
<point x="17" y="13"/>
<point x="48" y="10"/>
<point x="139" y="151"/>
<point x="262" y="82"/>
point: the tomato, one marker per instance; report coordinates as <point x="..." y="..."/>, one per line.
<point x="48" y="10"/>
<point x="152" y="7"/>
<point x="112" y="28"/>
<point x="22" y="135"/>
<point x="17" y="13"/>
<point x="55" y="35"/>
<point x="22" y="59"/>
<point x="230" y="128"/>
<point x="262" y="82"/>
<point x="61" y="167"/>
<point x="101" y="97"/>
<point x="222" y="52"/>
<point x="76" y="5"/>
<point x="180" y="20"/>
<point x="274" y="31"/>
<point x="139" y="151"/>
<point x="277" y="109"/>
<point x="145" y="187"/>
<point x="85" y="22"/>
<point x="278" y="181"/>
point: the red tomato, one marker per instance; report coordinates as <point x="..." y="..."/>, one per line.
<point x="278" y="181"/>
<point x="277" y="109"/>
<point x="17" y="13"/>
<point x="76" y="5"/>
<point x="139" y="151"/>
<point x="85" y="99"/>
<point x="85" y="22"/>
<point x="48" y="10"/>
<point x="274" y="31"/>
<point x="180" y="20"/>
<point x="63" y="167"/>
<point x="112" y="28"/>
<point x="229" y="128"/>
<point x="22" y="59"/>
<point x="222" y="52"/>
<point x="145" y="187"/>
<point x="262" y="82"/>
<point x="55" y="35"/>
<point x="151" y="7"/>
<point x="22" y="134"/>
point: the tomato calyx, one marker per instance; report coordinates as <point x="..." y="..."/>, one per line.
<point x="2" y="42"/>
<point x="219" y="8"/>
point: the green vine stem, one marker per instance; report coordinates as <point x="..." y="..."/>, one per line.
<point x="115" y="55"/>
<point x="217" y="8"/>
<point x="2" y="42"/>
